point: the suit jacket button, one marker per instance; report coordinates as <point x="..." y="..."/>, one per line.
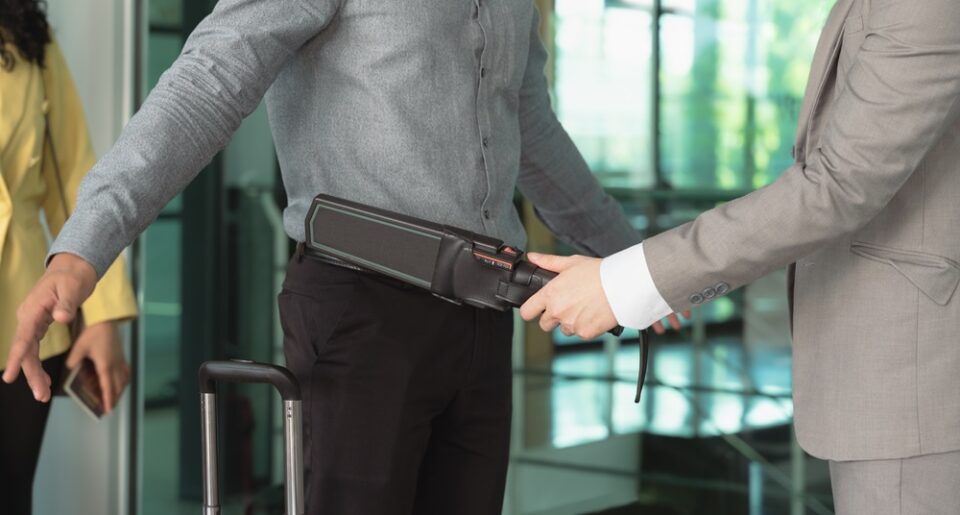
<point x="722" y="288"/>
<point x="696" y="298"/>
<point x="709" y="293"/>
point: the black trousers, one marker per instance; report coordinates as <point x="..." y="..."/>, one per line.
<point x="22" y="422"/>
<point x="406" y="397"/>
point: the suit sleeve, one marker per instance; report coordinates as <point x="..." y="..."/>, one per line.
<point x="63" y="169"/>
<point x="226" y="66"/>
<point x="555" y="177"/>
<point x="899" y="98"/>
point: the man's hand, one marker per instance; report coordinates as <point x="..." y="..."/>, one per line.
<point x="574" y="300"/>
<point x="100" y="343"/>
<point x="68" y="281"/>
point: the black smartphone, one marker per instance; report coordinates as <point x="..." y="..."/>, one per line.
<point x="83" y="385"/>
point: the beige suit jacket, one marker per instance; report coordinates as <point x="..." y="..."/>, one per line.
<point x="870" y="215"/>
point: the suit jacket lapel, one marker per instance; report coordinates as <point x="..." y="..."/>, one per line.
<point x="823" y="66"/>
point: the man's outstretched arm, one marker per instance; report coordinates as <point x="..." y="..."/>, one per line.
<point x="226" y="67"/>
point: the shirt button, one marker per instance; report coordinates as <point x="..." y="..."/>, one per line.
<point x="485" y="141"/>
<point x="486" y="214"/>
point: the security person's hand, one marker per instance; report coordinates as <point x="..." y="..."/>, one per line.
<point x="574" y="299"/>
<point x="68" y="281"/>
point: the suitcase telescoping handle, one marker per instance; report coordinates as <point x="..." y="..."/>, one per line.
<point x="212" y="372"/>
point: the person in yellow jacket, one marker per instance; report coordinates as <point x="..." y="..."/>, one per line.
<point x="45" y="151"/>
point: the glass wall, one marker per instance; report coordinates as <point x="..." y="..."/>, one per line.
<point x="715" y="110"/>
<point x="211" y="266"/>
<point x="732" y="77"/>
<point x="603" y="83"/>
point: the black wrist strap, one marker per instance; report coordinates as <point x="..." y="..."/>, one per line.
<point x="644" y="356"/>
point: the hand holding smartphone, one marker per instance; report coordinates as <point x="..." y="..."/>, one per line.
<point x="83" y="385"/>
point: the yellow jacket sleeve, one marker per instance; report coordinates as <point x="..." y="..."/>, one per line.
<point x="69" y="157"/>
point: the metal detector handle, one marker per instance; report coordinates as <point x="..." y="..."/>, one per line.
<point x="541" y="277"/>
<point x="238" y="371"/>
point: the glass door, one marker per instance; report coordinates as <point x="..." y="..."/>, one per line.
<point x="210" y="269"/>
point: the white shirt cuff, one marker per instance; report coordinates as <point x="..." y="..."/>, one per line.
<point x="630" y="290"/>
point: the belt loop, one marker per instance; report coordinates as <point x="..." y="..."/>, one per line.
<point x="300" y="247"/>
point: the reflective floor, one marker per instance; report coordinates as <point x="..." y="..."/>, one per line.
<point x="711" y="435"/>
<point x="591" y="393"/>
<point x="713" y="438"/>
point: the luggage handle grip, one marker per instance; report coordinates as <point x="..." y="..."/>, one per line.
<point x="243" y="371"/>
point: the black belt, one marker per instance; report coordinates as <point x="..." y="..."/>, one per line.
<point x="303" y="250"/>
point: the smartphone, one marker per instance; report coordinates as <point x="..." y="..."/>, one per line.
<point x="83" y="385"/>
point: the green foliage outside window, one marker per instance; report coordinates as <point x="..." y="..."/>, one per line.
<point x="731" y="79"/>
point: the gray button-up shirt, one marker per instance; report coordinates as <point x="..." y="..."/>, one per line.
<point x="434" y="108"/>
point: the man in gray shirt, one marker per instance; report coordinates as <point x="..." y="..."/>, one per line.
<point x="437" y="109"/>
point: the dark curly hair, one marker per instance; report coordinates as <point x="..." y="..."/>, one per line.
<point x="23" y="23"/>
